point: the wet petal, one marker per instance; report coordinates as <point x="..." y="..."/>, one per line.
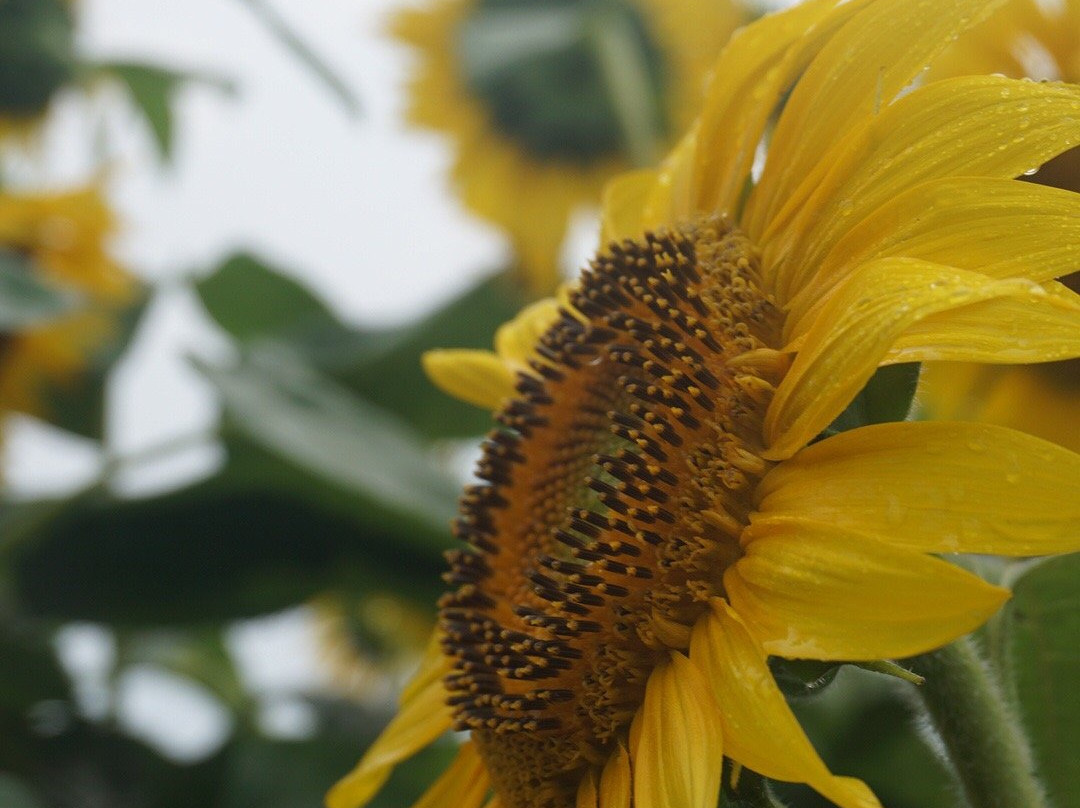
<point x="1042" y="326"/>
<point x="679" y="755"/>
<point x="852" y="335"/>
<point x="478" y="377"/>
<point x="935" y="487"/>
<point x="815" y="591"/>
<point x="463" y="785"/>
<point x="615" y="782"/>
<point x="422" y="718"/>
<point x="969" y="126"/>
<point x="894" y="40"/>
<point x="1001" y="228"/>
<point x="760" y="731"/>
<point x="759" y="65"/>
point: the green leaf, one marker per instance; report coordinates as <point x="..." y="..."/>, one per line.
<point x="886" y="397"/>
<point x="77" y="403"/>
<point x="250" y="299"/>
<point x="1042" y="630"/>
<point x="152" y="89"/>
<point x="26" y="299"/>
<point x="799" y="678"/>
<point x="36" y="54"/>
<point x="384" y="367"/>
<point x="14" y="793"/>
<point x="258" y="537"/>
<point x="287" y="407"/>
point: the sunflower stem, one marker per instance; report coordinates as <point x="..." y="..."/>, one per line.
<point x="981" y="736"/>
<point x="623" y="67"/>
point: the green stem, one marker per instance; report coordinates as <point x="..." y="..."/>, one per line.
<point x="982" y="738"/>
<point x="627" y="77"/>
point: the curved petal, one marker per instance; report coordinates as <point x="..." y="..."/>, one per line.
<point x="1043" y="327"/>
<point x="515" y="341"/>
<point x="874" y="308"/>
<point x="679" y="754"/>
<point x="935" y="487"/>
<point x="587" y="793"/>
<point x="625" y="198"/>
<point x="423" y="717"/>
<point x="759" y="65"/>
<point x="968" y="126"/>
<point x="477" y="377"/>
<point x="815" y="591"/>
<point x="760" y="730"/>
<point x="615" y="782"/>
<point x="893" y="40"/>
<point x="463" y="785"/>
<point x="1001" y="228"/>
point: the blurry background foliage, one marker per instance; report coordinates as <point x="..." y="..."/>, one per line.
<point x="337" y="488"/>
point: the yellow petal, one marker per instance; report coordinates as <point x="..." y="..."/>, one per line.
<point x="515" y="341"/>
<point x="893" y="40"/>
<point x="1040" y="326"/>
<point x="935" y="487"/>
<point x="679" y="755"/>
<point x="968" y="126"/>
<point x="878" y="304"/>
<point x="759" y="65"/>
<point x="1001" y="228"/>
<point x="423" y="717"/>
<point x="625" y="198"/>
<point x="760" y="731"/>
<point x="463" y="785"/>
<point x="615" y="782"/>
<point x="587" y="792"/>
<point x="477" y="377"/>
<point x="815" y="591"/>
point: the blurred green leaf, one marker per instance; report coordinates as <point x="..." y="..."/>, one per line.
<point x="284" y="405"/>
<point x="886" y="397"/>
<point x="385" y="368"/>
<point x="152" y="89"/>
<point x="77" y="403"/>
<point x="1042" y="629"/>
<point x="862" y="727"/>
<point x="250" y="299"/>
<point x="36" y="54"/>
<point x="16" y="794"/>
<point x="254" y="301"/>
<point x="260" y="536"/>
<point x="26" y="299"/>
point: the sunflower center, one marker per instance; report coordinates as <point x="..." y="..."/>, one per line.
<point x="546" y="73"/>
<point x="614" y="493"/>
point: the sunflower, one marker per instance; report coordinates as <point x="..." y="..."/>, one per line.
<point x="1024" y="38"/>
<point x="657" y="512"/>
<point x="62" y="237"/>
<point x="535" y="129"/>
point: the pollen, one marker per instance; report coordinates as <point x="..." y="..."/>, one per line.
<point x="612" y="496"/>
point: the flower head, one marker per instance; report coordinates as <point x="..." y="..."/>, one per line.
<point x="656" y="513"/>
<point x="62" y="237"/>
<point x="525" y="91"/>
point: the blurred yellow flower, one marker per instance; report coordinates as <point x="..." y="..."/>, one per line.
<point x="63" y="235"/>
<point x="522" y="89"/>
<point x="656" y="515"/>
<point x="1038" y="40"/>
